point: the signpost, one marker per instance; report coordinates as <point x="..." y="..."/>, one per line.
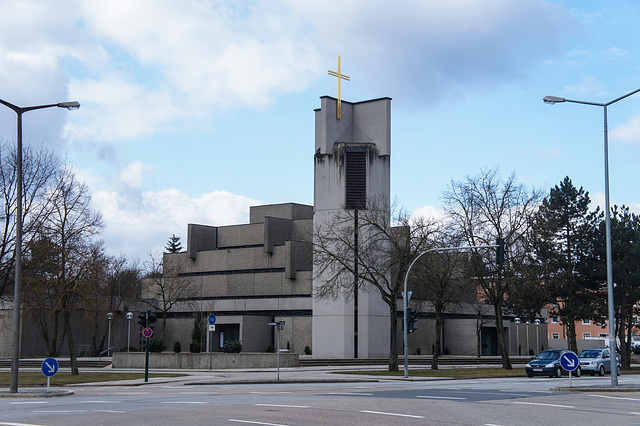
<point x="49" y="369"/>
<point x="279" y="326"/>
<point x="569" y="361"/>
<point x="212" y="328"/>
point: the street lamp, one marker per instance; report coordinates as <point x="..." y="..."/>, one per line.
<point x="517" y="321"/>
<point x="15" y="358"/>
<point x="607" y="214"/>
<point x="537" y="323"/>
<point x="129" y="316"/>
<point x="528" y="322"/>
<point x="109" y="318"/>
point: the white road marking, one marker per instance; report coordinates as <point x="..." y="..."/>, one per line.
<point x="392" y="414"/>
<point x="282" y="406"/>
<point x="27" y="402"/>
<point x="269" y="392"/>
<point x="183" y="402"/>
<point x="439" y="397"/>
<point x="615" y="397"/>
<point x="351" y="393"/>
<point x="256" y="423"/>
<point x="545" y="405"/>
<point x="101" y="402"/>
<point x="17" y="424"/>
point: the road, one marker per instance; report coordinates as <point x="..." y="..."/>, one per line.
<point x="508" y="401"/>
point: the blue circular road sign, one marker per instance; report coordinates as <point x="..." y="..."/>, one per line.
<point x="212" y="319"/>
<point x="49" y="367"/>
<point x="569" y="361"/>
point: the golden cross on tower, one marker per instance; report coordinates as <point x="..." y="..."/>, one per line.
<point x="340" y="76"/>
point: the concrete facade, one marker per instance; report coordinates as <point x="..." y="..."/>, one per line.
<point x="248" y="275"/>
<point x="364" y="127"/>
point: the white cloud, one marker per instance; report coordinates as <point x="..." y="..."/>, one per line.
<point x="136" y="228"/>
<point x="118" y="110"/>
<point x="133" y="174"/>
<point x="628" y="132"/>
<point x="429" y="212"/>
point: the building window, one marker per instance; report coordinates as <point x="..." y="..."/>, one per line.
<point x="555" y="335"/>
<point x="356" y="179"/>
<point x="586" y="322"/>
<point x="555" y="320"/>
<point x="586" y="335"/>
<point x="602" y="335"/>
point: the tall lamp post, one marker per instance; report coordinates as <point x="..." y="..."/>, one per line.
<point x="15" y="358"/>
<point x="537" y="323"/>
<point x="129" y="316"/>
<point x="109" y="318"/>
<point x="517" y="321"/>
<point x="607" y="214"/>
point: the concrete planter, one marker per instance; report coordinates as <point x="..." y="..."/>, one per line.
<point x="170" y="360"/>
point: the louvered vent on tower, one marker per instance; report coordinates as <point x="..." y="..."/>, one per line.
<point x="356" y="172"/>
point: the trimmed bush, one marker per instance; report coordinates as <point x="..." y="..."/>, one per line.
<point x="177" y="347"/>
<point x="307" y="350"/>
<point x="232" y="347"/>
<point x="156" y="345"/>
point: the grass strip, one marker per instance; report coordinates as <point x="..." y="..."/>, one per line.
<point x="32" y="378"/>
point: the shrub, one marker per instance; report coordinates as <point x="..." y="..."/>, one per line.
<point x="156" y="345"/>
<point x="307" y="350"/>
<point x="177" y="347"/>
<point x="418" y="350"/>
<point x="194" y="347"/>
<point x="232" y="347"/>
<point x="270" y="349"/>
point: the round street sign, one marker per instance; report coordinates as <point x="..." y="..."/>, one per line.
<point x="147" y="332"/>
<point x="49" y="367"/>
<point x="569" y="361"/>
<point x="212" y="319"/>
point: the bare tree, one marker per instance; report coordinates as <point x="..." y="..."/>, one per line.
<point x="71" y="228"/>
<point x="484" y="208"/>
<point x="39" y="167"/>
<point x="384" y="254"/>
<point x="165" y="286"/>
<point x="440" y="278"/>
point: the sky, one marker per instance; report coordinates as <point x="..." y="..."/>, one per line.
<point x="194" y="110"/>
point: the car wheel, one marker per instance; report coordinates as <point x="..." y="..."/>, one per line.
<point x="577" y="372"/>
<point x="558" y="372"/>
<point x="601" y="371"/>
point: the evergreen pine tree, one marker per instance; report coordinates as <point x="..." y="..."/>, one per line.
<point x="173" y="245"/>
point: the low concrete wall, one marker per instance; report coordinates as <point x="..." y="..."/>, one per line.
<point x="187" y="361"/>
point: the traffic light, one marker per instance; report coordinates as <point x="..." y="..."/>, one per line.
<point x="500" y="251"/>
<point x="152" y="317"/>
<point x="143" y="319"/>
<point x="412" y="318"/>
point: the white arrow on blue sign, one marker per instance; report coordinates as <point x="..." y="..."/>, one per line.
<point x="569" y="361"/>
<point x="49" y="367"/>
<point x="212" y="319"/>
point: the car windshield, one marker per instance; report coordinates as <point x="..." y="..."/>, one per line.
<point x="548" y="355"/>
<point x="589" y="354"/>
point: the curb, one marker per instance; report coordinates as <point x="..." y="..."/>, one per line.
<point x="36" y="393"/>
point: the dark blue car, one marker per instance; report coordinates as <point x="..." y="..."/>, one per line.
<point x="547" y="363"/>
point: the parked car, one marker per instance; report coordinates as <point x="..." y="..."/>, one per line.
<point x="635" y="343"/>
<point x="547" y="363"/>
<point x="597" y="360"/>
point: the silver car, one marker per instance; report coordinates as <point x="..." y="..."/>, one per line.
<point x="594" y="361"/>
